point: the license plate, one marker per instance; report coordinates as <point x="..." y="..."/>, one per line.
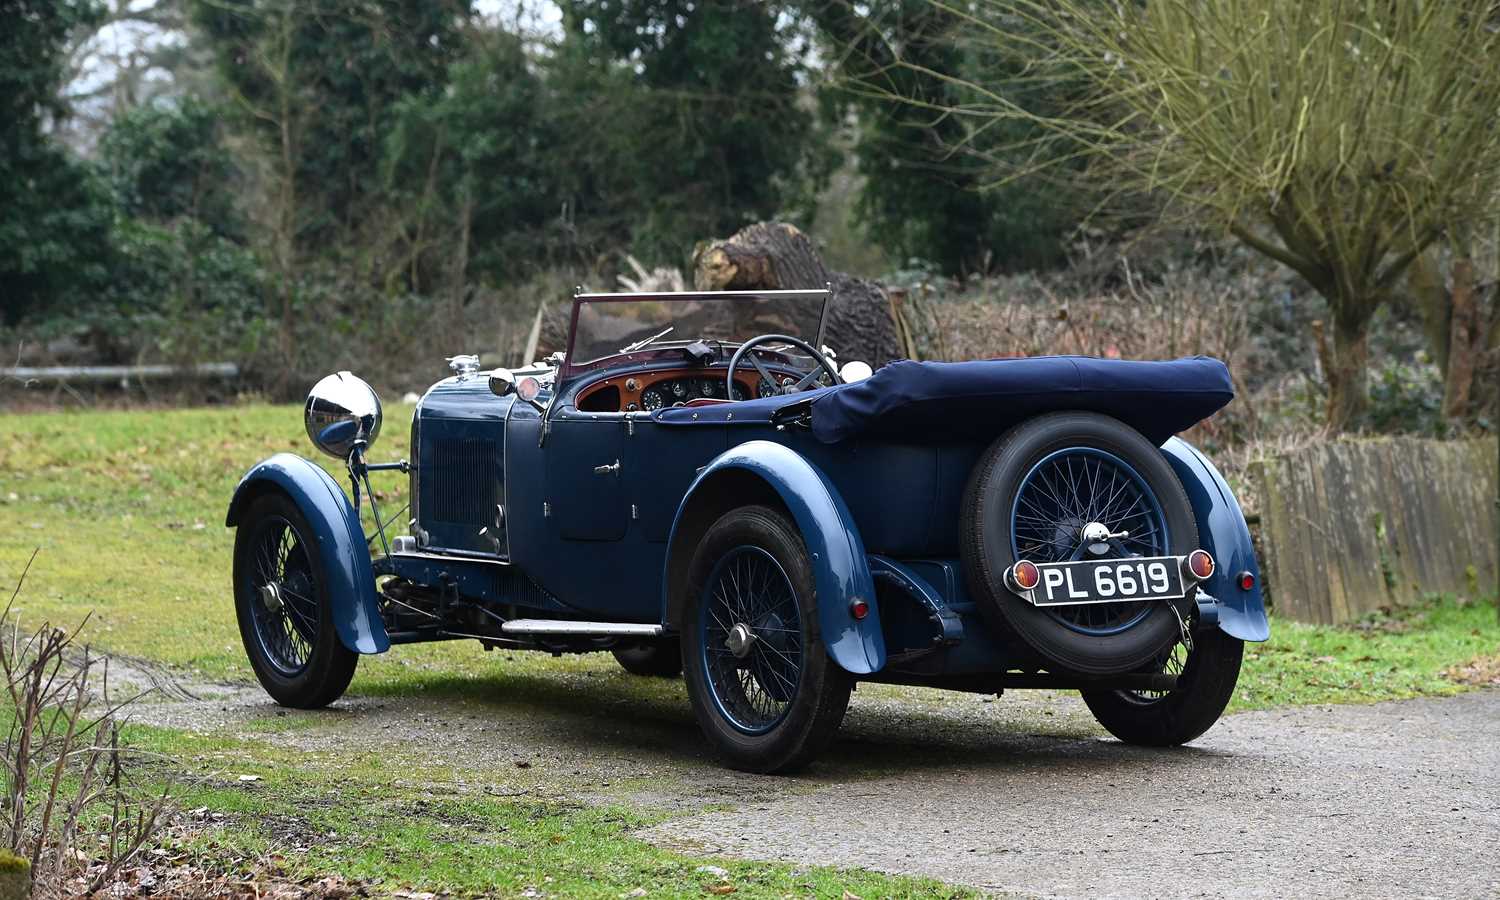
<point x="1109" y="581"/>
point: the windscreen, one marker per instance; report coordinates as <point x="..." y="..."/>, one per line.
<point x="609" y="325"/>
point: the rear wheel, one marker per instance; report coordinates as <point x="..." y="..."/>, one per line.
<point x="661" y="659"/>
<point x="1206" y="676"/>
<point x="763" y="688"/>
<point x="281" y="601"/>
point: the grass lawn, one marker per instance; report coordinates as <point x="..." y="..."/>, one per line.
<point x="399" y="823"/>
<point x="127" y="511"/>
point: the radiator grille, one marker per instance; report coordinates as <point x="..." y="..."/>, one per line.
<point x="464" y="482"/>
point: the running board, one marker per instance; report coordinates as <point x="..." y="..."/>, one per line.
<point x="567" y="626"/>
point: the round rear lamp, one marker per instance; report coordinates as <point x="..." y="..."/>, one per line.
<point x="1246" y="581"/>
<point x="1025" y="576"/>
<point x="859" y="608"/>
<point x="1199" y="564"/>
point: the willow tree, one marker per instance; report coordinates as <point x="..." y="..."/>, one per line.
<point x="1339" y="137"/>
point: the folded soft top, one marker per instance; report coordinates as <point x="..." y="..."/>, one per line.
<point x="954" y="401"/>
<point x="981" y="398"/>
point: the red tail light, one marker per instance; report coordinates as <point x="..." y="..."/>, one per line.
<point x="1198" y="565"/>
<point x="859" y="608"/>
<point x="1023" y="576"/>
<point x="1247" y="581"/>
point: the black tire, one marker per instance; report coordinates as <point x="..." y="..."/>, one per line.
<point x="809" y="707"/>
<point x="1204" y="688"/>
<point x="658" y="659"/>
<point x="986" y="551"/>
<point x="303" y="665"/>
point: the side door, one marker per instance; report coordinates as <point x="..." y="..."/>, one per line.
<point x="585" y="493"/>
<point x="662" y="461"/>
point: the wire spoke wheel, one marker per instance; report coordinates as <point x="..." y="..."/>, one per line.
<point x="764" y="688"/>
<point x="1173" y="661"/>
<point x="284" y="589"/>
<point x="1068" y="490"/>
<point x="752" y="640"/>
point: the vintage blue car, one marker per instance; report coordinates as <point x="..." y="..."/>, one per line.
<point x="695" y="486"/>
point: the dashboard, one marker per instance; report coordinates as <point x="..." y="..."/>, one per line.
<point x="662" y="388"/>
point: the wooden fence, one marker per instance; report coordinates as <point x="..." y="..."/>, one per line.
<point x="1350" y="527"/>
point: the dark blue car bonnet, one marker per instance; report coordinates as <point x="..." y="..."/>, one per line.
<point x="978" y="399"/>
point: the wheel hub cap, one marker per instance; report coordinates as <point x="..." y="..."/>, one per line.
<point x="740" y="640"/>
<point x="270" y="596"/>
<point x="1097" y="536"/>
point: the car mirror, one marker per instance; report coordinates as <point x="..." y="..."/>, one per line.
<point x="502" y="383"/>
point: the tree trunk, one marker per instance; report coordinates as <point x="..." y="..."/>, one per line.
<point x="777" y="256"/>
<point x="1346" y="367"/>
<point x="1461" y="320"/>
<point x="1465" y="338"/>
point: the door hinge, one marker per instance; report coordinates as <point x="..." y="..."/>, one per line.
<point x="635" y="512"/>
<point x="546" y="510"/>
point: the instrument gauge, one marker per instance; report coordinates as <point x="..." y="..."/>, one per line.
<point x="707" y="388"/>
<point x="652" y="400"/>
<point x="679" y="388"/>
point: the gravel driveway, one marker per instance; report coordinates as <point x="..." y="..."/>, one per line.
<point x="1396" y="799"/>
<point x="1022" y="795"/>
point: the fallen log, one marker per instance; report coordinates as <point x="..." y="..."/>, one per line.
<point x="863" y="319"/>
<point x="862" y="324"/>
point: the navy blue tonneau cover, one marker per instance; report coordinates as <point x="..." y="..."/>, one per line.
<point x="966" y="400"/>
<point x="980" y="398"/>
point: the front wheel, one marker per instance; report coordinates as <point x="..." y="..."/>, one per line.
<point x="763" y="688"/>
<point x="281" y="600"/>
<point x="1206" y="676"/>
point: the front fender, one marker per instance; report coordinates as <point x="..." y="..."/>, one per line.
<point x="1223" y="533"/>
<point x="840" y="570"/>
<point x="340" y="539"/>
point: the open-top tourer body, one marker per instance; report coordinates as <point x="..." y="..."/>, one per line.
<point x="696" y="486"/>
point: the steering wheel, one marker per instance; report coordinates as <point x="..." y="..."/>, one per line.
<point x="823" y="365"/>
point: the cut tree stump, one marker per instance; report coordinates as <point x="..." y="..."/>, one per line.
<point x="769" y="256"/>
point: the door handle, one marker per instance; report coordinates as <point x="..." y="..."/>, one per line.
<point x="611" y="469"/>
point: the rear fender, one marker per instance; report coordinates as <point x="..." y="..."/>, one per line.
<point x="744" y="474"/>
<point x="1223" y="533"/>
<point x="340" y="539"/>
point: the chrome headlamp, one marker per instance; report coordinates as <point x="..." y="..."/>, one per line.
<point x="341" y="413"/>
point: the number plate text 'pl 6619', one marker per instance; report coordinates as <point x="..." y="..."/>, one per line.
<point x="1109" y="581"/>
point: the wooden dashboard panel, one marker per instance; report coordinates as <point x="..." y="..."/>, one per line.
<point x="629" y="388"/>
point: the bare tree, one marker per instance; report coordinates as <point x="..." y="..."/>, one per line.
<point x="1342" y="138"/>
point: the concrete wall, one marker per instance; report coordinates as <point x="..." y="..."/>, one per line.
<point x="1351" y="526"/>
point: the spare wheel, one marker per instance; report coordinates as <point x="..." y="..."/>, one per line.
<point x="1034" y="493"/>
